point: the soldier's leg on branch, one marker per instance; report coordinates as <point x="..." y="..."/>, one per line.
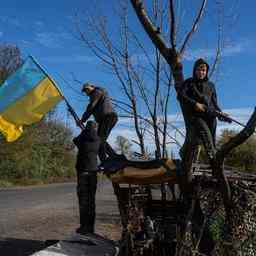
<point x="104" y="130"/>
<point x="206" y="138"/>
<point x="103" y="137"/>
<point x="196" y="158"/>
<point x="206" y="135"/>
<point x="187" y="153"/>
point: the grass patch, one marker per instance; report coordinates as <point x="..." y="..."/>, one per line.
<point x="32" y="182"/>
<point x="5" y="184"/>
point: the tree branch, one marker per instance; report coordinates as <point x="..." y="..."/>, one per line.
<point x="151" y="30"/>
<point x="172" y="25"/>
<point x="194" y="27"/>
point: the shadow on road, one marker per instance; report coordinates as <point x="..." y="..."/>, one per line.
<point x="20" y="247"/>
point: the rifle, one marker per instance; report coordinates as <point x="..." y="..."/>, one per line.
<point x="223" y="116"/>
<point x="215" y="113"/>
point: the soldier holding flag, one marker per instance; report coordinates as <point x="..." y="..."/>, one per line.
<point x="101" y="108"/>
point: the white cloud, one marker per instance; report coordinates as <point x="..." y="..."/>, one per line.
<point x="25" y="43"/>
<point x="128" y="133"/>
<point x="39" y="24"/>
<point x="1" y="33"/>
<point x="240" y="114"/>
<point x="229" y="50"/>
<point x="69" y="59"/>
<point x="196" y="53"/>
<point x="11" y="21"/>
<point x="47" y="39"/>
<point x="125" y="128"/>
<point x="52" y="39"/>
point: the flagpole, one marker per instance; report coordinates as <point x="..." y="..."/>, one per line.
<point x="70" y="109"/>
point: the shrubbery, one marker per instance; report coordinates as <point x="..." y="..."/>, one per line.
<point x="244" y="156"/>
<point x="40" y="155"/>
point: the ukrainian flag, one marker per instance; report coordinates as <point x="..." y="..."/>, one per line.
<point x="25" y="97"/>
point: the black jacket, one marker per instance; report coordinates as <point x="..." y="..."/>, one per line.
<point x="100" y="105"/>
<point x="88" y="143"/>
<point x="193" y="91"/>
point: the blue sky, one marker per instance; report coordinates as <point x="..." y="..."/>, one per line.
<point x="44" y="29"/>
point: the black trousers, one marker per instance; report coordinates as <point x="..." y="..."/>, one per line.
<point x="104" y="130"/>
<point x="86" y="191"/>
<point x="198" y="132"/>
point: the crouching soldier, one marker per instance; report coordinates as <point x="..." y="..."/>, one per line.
<point x="88" y="143"/>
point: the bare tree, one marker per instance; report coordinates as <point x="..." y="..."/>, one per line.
<point x="10" y="60"/>
<point x="135" y="66"/>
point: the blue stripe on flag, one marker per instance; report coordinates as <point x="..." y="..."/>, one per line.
<point x="20" y="83"/>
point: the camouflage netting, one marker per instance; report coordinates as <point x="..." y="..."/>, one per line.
<point x="222" y="237"/>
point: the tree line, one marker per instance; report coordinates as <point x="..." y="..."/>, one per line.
<point x="40" y="155"/>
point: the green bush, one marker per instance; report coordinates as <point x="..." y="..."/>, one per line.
<point x="244" y="156"/>
<point x="39" y="154"/>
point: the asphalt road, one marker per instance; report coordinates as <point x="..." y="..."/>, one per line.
<point x="30" y="216"/>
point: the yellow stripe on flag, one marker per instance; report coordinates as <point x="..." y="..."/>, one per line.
<point x="33" y="106"/>
<point x="10" y="131"/>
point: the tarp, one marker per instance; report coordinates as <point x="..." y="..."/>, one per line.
<point x="166" y="172"/>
